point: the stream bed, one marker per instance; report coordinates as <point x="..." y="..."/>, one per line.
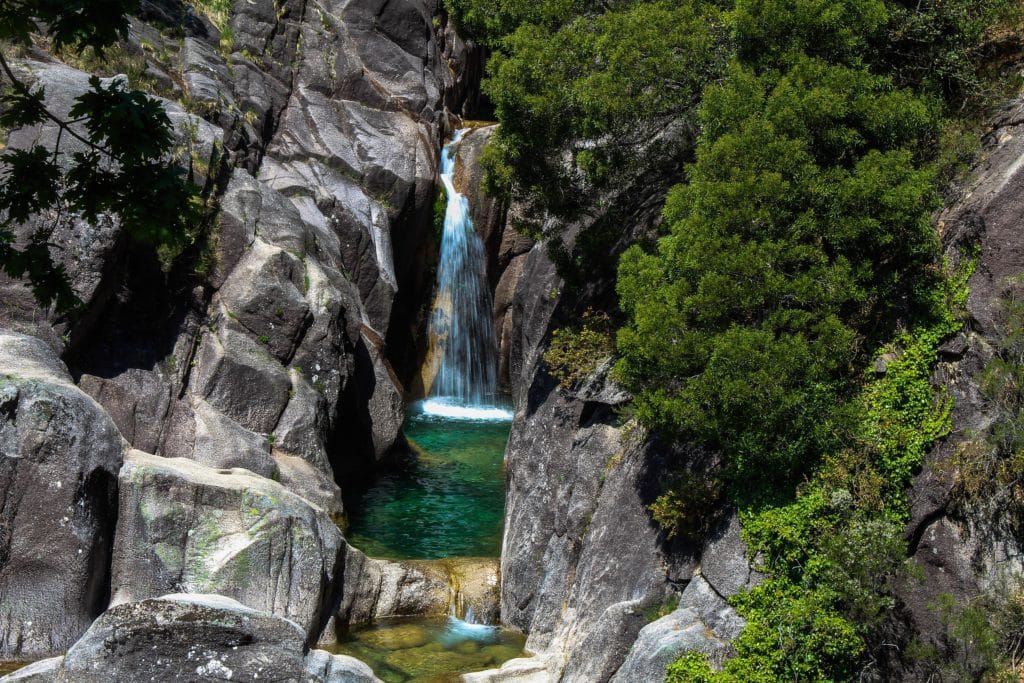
<point x="446" y="502"/>
<point x="430" y="651"/>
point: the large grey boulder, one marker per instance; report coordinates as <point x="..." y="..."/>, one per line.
<point x="59" y="458"/>
<point x="265" y="294"/>
<point x="661" y="643"/>
<point x="193" y="638"/>
<point x="184" y="527"/>
<point x="704" y="622"/>
<point x="376" y="397"/>
<point x="221" y="443"/>
<point x="137" y="400"/>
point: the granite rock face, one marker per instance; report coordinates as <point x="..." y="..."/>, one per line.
<point x="381" y="589"/>
<point x="583" y="563"/>
<point x="59" y="458"/>
<point x="250" y="375"/>
<point x="193" y="637"/>
<point x="966" y="549"/>
<point x="579" y="483"/>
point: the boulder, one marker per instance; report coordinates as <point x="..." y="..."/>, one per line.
<point x="663" y="642"/>
<point x="249" y="209"/>
<point x="193" y="638"/>
<point x="374" y="405"/>
<point x="318" y="487"/>
<point x="42" y="671"/>
<point x="264" y="293"/>
<point x="521" y="670"/>
<point x="724" y="560"/>
<point x="137" y="401"/>
<point x="221" y="443"/>
<point x="184" y="527"/>
<point x="59" y="458"/>
<point x="92" y="253"/>
<point x="304" y="425"/>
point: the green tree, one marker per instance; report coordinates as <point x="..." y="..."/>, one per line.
<point x="488" y="21"/>
<point x="123" y="169"/>
<point x="803" y="222"/>
<point x="578" y="101"/>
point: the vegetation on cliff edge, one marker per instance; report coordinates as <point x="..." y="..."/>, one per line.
<point x="798" y="251"/>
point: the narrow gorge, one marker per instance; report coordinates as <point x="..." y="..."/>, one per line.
<point x="537" y="342"/>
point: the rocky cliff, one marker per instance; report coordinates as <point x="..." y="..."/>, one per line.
<point x="187" y="429"/>
<point x="585" y="568"/>
<point x="967" y="542"/>
<point x="586" y="573"/>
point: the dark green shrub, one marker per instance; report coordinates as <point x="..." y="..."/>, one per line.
<point x="576" y="352"/>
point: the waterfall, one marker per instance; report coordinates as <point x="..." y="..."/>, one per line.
<point x="461" y="324"/>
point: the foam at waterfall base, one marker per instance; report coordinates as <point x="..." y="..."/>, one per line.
<point x="458" y="630"/>
<point x="448" y="408"/>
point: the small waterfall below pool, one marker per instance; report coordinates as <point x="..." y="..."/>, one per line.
<point x="461" y="326"/>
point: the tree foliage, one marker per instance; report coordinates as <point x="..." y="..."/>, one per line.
<point x="577" y="98"/>
<point x="803" y="223"/>
<point x="800" y="242"/>
<point x="122" y="166"/>
<point x="488" y="21"/>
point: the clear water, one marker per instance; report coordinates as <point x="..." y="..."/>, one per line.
<point x="447" y="502"/>
<point x="430" y="651"/>
<point x="460" y="323"/>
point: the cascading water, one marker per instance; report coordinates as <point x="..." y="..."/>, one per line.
<point x="465" y="385"/>
<point x="447" y="502"/>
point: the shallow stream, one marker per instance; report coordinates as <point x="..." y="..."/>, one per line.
<point x="425" y="651"/>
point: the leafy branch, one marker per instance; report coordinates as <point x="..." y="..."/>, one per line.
<point x="125" y="170"/>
